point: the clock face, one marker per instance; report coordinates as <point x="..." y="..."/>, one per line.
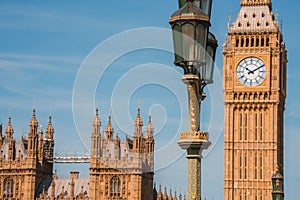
<point x="251" y="71"/>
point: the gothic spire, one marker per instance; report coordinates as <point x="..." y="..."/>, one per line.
<point x="33" y="121"/>
<point x="50" y="129"/>
<point x="97" y="120"/>
<point x="138" y="120"/>
<point x="9" y="131"/>
<point x="109" y="129"/>
<point x="33" y="124"/>
<point x="138" y="124"/>
<point x="149" y="129"/>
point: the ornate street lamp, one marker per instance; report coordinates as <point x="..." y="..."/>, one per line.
<point x="195" y="50"/>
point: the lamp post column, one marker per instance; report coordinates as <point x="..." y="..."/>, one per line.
<point x="193" y="140"/>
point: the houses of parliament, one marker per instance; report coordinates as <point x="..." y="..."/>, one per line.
<point x="254" y="85"/>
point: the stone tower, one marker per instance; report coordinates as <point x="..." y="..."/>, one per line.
<point x="25" y="163"/>
<point x="121" y="169"/>
<point x="254" y="81"/>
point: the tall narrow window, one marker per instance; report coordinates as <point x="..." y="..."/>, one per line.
<point x="246" y="166"/>
<point x="247" y="42"/>
<point x="261" y="127"/>
<point x="8" y="190"/>
<point x="262" y="42"/>
<point x="255" y="166"/>
<point x="115" y="187"/>
<point x="241" y="126"/>
<point x="261" y="167"/>
<point x="246" y="126"/>
<point x="255" y="126"/>
<point x="241" y="166"/>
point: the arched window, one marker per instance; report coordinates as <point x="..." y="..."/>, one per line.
<point x="8" y="190"/>
<point x="115" y="187"/>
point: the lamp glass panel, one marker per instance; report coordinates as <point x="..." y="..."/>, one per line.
<point x="188" y="43"/>
<point x="177" y="41"/>
<point x="207" y="70"/>
<point x="201" y="38"/>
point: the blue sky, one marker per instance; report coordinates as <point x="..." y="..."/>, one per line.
<point x="44" y="46"/>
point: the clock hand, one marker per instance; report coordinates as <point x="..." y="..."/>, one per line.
<point x="249" y="71"/>
<point x="257" y="68"/>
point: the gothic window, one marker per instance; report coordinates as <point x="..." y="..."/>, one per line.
<point x="252" y="42"/>
<point x="8" y="190"/>
<point x="255" y="127"/>
<point x="261" y="167"/>
<point x="255" y="167"/>
<point x="246" y="126"/>
<point x="115" y="187"/>
<point x="246" y="166"/>
<point x="237" y="43"/>
<point x="261" y="127"/>
<point x="240" y="166"/>
<point x="241" y="126"/>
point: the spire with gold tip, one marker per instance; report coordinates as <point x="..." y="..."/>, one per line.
<point x="109" y="129"/>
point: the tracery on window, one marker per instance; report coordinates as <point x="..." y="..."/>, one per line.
<point x="8" y="188"/>
<point x="115" y="187"/>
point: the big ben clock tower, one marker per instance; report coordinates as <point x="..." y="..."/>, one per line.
<point x="254" y="81"/>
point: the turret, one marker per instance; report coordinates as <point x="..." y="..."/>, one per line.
<point x="33" y="125"/>
<point x="117" y="147"/>
<point x="165" y="195"/>
<point x="96" y="136"/>
<point x="170" y="195"/>
<point x="40" y="145"/>
<point x="159" y="194"/>
<point x="138" y="124"/>
<point x="109" y="129"/>
<point x="175" y="196"/>
<point x="138" y="133"/>
<point x="32" y="136"/>
<point x="49" y="149"/>
<point x="50" y="130"/>
<point x="9" y="131"/>
<point x="149" y="137"/>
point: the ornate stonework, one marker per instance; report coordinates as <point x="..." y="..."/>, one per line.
<point x="25" y="162"/>
<point x="254" y="80"/>
<point x="122" y="170"/>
